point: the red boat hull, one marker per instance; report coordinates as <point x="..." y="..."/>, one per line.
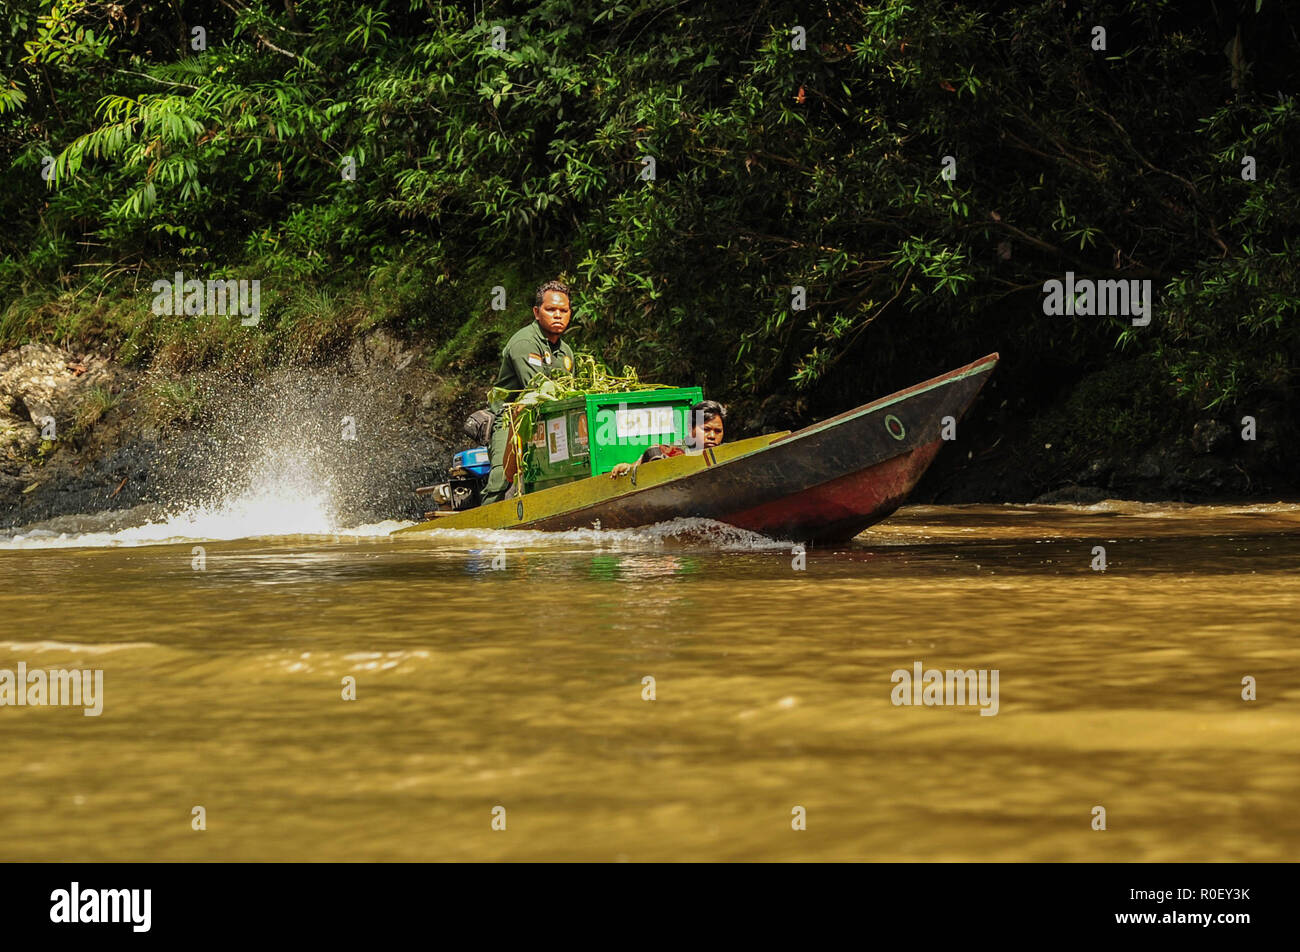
<point x="839" y="509"/>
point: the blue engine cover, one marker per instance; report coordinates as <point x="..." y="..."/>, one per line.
<point x="475" y="461"/>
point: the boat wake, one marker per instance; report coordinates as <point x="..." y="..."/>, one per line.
<point x="685" y="532"/>
<point x="285" y="512"/>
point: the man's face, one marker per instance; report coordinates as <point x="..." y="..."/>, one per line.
<point x="708" y="434"/>
<point x="553" y="315"/>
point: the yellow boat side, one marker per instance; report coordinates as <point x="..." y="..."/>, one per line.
<point x="518" y="512"/>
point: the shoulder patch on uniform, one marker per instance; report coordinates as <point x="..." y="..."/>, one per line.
<point x="568" y="362"/>
<point x="535" y="359"/>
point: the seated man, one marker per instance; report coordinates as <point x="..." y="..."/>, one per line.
<point x="706" y="418"/>
<point x="538" y="348"/>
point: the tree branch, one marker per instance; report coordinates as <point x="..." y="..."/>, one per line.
<point x="257" y="33"/>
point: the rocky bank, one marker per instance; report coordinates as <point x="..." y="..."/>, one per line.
<point x="80" y="434"/>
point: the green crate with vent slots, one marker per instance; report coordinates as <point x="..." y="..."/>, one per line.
<point x="588" y="435"/>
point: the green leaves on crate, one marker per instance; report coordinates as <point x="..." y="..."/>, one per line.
<point x="589" y="376"/>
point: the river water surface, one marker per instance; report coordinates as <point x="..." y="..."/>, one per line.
<point x="508" y="670"/>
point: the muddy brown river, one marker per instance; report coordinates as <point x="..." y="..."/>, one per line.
<point x="687" y="692"/>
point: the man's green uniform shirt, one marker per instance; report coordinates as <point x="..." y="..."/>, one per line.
<point x="527" y="354"/>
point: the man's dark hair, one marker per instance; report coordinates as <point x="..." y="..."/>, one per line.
<point x="551" y="286"/>
<point x="706" y="410"/>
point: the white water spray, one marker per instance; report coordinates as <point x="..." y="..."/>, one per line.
<point x="284" y="494"/>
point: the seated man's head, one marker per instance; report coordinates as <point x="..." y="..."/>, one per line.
<point x="706" y="421"/>
<point x="551" y="309"/>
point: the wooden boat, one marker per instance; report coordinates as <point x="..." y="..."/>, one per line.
<point x="824" y="483"/>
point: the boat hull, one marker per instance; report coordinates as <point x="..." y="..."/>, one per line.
<point x="824" y="483"/>
<point x="839" y="509"/>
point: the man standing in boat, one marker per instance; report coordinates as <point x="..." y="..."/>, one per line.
<point x="537" y="349"/>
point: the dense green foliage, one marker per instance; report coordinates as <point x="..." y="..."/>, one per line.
<point x="775" y="167"/>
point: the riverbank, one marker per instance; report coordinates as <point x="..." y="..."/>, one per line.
<point x="361" y="429"/>
<point x="362" y="425"/>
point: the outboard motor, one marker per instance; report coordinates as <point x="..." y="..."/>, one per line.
<point x="465" y="481"/>
<point x="469" y="470"/>
<point x="467" y="477"/>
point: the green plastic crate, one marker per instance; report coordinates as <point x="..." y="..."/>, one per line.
<point x="589" y="435"/>
<point x="558" y="452"/>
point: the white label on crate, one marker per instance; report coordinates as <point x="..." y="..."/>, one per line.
<point x="634" y="422"/>
<point x="557" y="439"/>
